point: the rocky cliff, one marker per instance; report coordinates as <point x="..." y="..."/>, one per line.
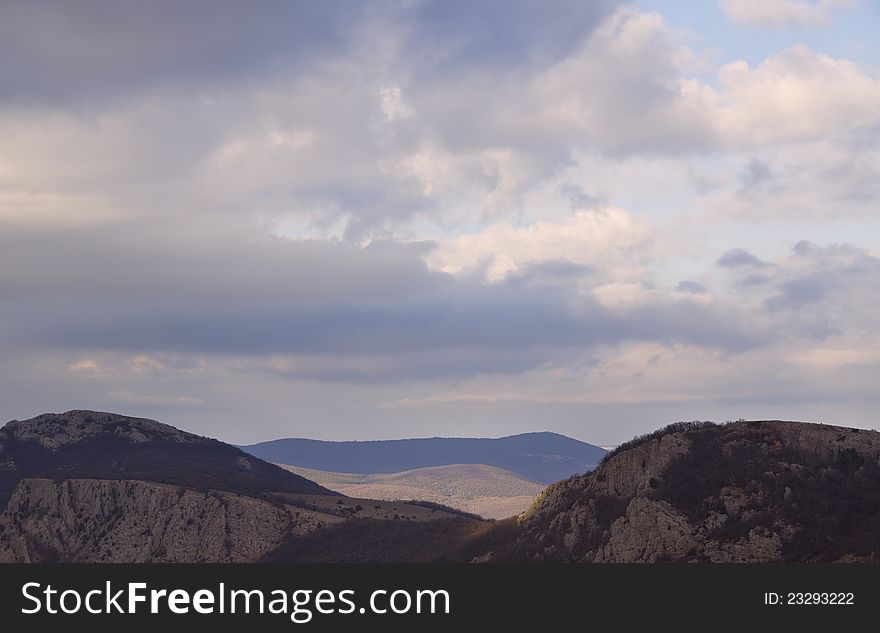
<point x="741" y="492"/>
<point x="89" y="520"/>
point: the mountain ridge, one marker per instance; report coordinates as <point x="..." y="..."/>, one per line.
<point x="82" y="444"/>
<point x="541" y="457"/>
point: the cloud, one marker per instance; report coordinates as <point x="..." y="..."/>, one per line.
<point x="739" y="258"/>
<point x="691" y="287"/>
<point x="515" y="206"/>
<point x="782" y="12"/>
<point x="795" y="95"/>
<point x="608" y="239"/>
<point x="86" y="54"/>
<point x="754" y="175"/>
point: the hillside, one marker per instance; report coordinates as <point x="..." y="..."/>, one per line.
<point x="98" y="487"/>
<point x="759" y="491"/>
<point x="742" y="492"/>
<point x="537" y="457"/>
<point x="94" y="445"/>
<point x="490" y="492"/>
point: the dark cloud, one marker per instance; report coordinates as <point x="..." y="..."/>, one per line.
<point x="798" y="292"/>
<point x="754" y="175"/>
<point x="450" y="36"/>
<point x="805" y="248"/>
<point x="117" y="290"/>
<point x="739" y="258"/>
<point x="691" y="287"/>
<point x="825" y="291"/>
<point x="100" y="48"/>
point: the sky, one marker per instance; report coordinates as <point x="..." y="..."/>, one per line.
<point x="367" y="220"/>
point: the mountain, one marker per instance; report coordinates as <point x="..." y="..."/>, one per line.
<point x="742" y="492"/>
<point x="755" y="491"/>
<point x="84" y="486"/>
<point x="97" y="487"/>
<point x="94" y="445"/>
<point x="490" y="492"/>
<point x="538" y="457"/>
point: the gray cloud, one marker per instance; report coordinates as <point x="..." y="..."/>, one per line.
<point x="739" y="258"/>
<point x="120" y="291"/>
<point x="499" y="33"/>
<point x="691" y="287"/>
<point x="98" y="49"/>
<point x="755" y="175"/>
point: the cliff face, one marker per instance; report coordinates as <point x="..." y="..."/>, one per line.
<point x="743" y="492"/>
<point x="83" y="520"/>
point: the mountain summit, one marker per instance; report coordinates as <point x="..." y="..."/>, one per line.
<point x="95" y="445"/>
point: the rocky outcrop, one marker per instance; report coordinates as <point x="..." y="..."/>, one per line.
<point x="85" y="520"/>
<point x="741" y="492"/>
<point x="54" y="430"/>
<point x="650" y="531"/>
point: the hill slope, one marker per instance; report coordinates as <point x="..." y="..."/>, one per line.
<point x="490" y="492"/>
<point x="538" y="457"/>
<point x="742" y="492"/>
<point x="94" y="445"/>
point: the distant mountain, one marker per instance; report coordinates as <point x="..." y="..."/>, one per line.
<point x="490" y="492"/>
<point x="539" y="457"/>
<point x="94" y="445"/>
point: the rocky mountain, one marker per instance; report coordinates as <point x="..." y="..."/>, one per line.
<point x="490" y="492"/>
<point x="741" y="492"/>
<point x="538" y="457"/>
<point x="98" y="487"/>
<point x="694" y="492"/>
<point x="94" y="445"/>
<point x="91" y="520"/>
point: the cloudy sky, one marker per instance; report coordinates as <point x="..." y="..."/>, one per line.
<point x="357" y="220"/>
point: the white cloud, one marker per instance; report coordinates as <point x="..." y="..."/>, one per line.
<point x="782" y="12"/>
<point x="796" y="95"/>
<point x="86" y="366"/>
<point x="392" y="104"/>
<point x="607" y="240"/>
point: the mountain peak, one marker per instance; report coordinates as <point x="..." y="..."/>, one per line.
<point x="54" y="430"/>
<point x="98" y="445"/>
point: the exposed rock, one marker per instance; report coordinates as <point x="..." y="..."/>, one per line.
<point x="54" y="430"/>
<point x="134" y="521"/>
<point x="650" y="531"/>
<point x="760" y="546"/>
